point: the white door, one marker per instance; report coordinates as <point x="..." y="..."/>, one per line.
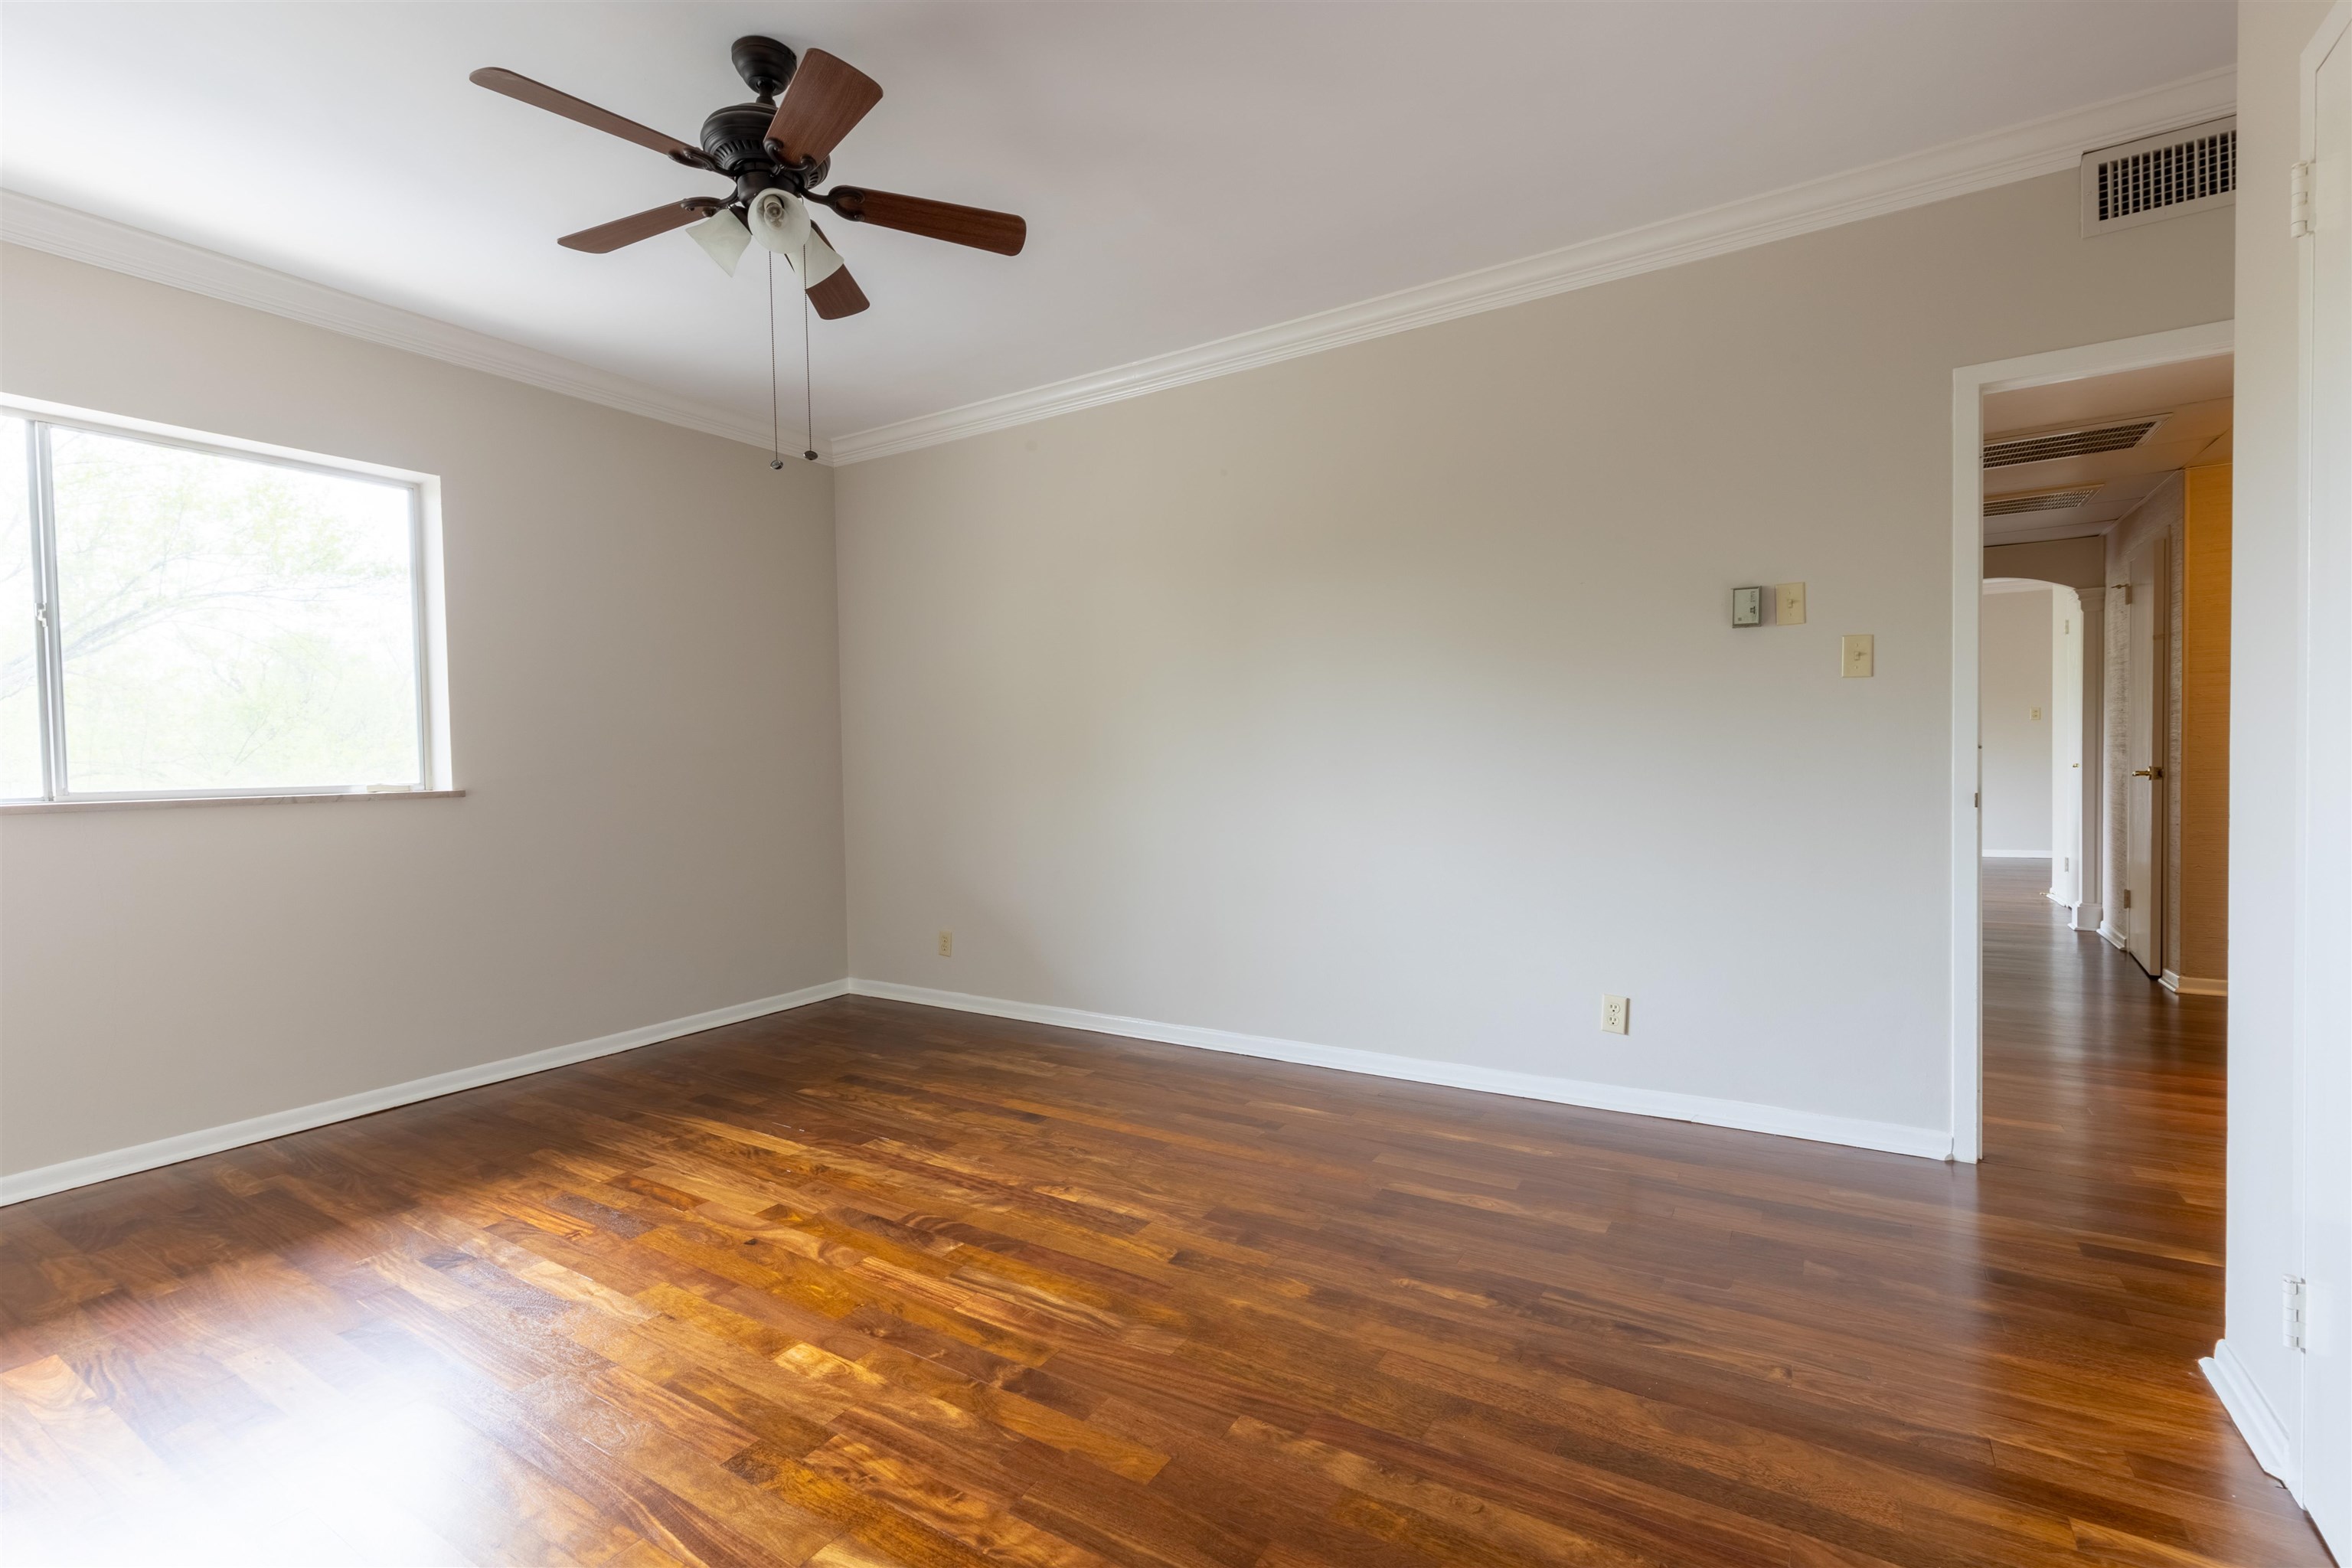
<point x="2146" y="713"/>
<point x="2325" y="1036"/>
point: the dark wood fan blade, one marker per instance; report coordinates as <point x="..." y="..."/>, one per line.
<point x="838" y="295"/>
<point x="976" y="226"/>
<point x="826" y="99"/>
<point x="538" y="95"/>
<point x="628" y="230"/>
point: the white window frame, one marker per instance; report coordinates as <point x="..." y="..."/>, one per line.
<point x="434" y="773"/>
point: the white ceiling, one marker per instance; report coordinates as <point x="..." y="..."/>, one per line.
<point x="1188" y="171"/>
<point x="2193" y="395"/>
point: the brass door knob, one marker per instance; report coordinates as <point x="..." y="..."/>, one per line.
<point x="2147" y="773"/>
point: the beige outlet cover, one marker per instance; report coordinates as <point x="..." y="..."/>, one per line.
<point x="1855" y="656"/>
<point x="1789" y="604"/>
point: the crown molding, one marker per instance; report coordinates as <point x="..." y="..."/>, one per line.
<point x="1979" y="163"/>
<point x="84" y="237"/>
<point x="2020" y="153"/>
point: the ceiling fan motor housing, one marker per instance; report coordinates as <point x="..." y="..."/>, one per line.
<point x="735" y="137"/>
<point x="765" y="66"/>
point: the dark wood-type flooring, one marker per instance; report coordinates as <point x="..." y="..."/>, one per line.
<point x="869" y="1283"/>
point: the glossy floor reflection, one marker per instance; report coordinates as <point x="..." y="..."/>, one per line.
<point x="869" y="1283"/>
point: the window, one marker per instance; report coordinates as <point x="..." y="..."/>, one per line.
<point x="186" y="619"/>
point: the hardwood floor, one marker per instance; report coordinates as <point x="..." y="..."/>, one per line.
<point x="869" y="1283"/>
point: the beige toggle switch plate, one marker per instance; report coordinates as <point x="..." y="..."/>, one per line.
<point x="1855" y="656"/>
<point x="1789" y="605"/>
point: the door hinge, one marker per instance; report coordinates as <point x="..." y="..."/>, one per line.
<point x="2295" y="1303"/>
<point x="1977" y="800"/>
<point x="2126" y="898"/>
<point x="2298" y="221"/>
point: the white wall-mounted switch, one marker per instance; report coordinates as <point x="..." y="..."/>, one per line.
<point x="1748" y="607"/>
<point x="947" y="944"/>
<point x="1616" y="1014"/>
<point x="1855" y="656"/>
<point x="1789" y="605"/>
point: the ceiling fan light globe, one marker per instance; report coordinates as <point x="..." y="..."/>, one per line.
<point x="819" y="260"/>
<point x="723" y="238"/>
<point x="778" y="221"/>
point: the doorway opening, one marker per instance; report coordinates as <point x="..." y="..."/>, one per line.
<point x="2091" y="711"/>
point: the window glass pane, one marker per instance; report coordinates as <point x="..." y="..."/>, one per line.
<point x="20" y="696"/>
<point x="229" y="624"/>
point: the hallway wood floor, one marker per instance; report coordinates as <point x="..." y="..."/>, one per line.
<point x="869" y="1283"/>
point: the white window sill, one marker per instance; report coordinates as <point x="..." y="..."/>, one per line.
<point x="29" y="807"/>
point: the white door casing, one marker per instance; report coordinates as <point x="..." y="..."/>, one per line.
<point x="2323" y="959"/>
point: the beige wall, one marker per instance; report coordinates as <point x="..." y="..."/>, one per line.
<point x="1386" y="698"/>
<point x="2016" y="720"/>
<point x="2203" y="953"/>
<point x="645" y="716"/>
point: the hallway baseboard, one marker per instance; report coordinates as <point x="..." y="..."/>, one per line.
<point x="1746" y="1116"/>
<point x="2190" y="985"/>
<point x="2257" y="1423"/>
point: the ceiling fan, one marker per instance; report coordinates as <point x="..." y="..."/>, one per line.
<point x="776" y="150"/>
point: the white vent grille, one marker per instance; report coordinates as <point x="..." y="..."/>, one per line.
<point x="2163" y="177"/>
<point x="2013" y="450"/>
<point x="2040" y="500"/>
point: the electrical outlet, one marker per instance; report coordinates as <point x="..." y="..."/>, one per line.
<point x="947" y="944"/>
<point x="1616" y="1014"/>
<point x="2037" y="712"/>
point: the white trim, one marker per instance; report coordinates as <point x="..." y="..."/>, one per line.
<point x="1979" y="163"/>
<point x="42" y="1180"/>
<point x="2115" y="938"/>
<point x="2256" y="1421"/>
<point x="2088" y="917"/>
<point x="1969" y="383"/>
<point x="1893" y="1138"/>
<point x="2015" y="854"/>
<point x="119" y="248"/>
<point x="150" y="802"/>
<point x="2018" y="153"/>
<point x="2194" y="986"/>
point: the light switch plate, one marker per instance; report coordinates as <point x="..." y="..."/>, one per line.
<point x="1857" y="655"/>
<point x="1748" y="607"/>
<point x="1789" y="605"/>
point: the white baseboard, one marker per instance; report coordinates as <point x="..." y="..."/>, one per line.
<point x="2089" y="917"/>
<point x="2116" y="939"/>
<point x="42" y="1180"/>
<point x="2014" y="854"/>
<point x="1893" y="1138"/>
<point x="2258" y="1423"/>
<point x="2191" y="986"/>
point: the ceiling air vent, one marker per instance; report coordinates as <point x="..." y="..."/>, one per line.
<point x="2009" y="451"/>
<point x="2040" y="500"/>
<point x="2182" y="170"/>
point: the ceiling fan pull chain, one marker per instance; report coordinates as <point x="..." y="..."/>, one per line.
<point x="808" y="370"/>
<point x="775" y="410"/>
